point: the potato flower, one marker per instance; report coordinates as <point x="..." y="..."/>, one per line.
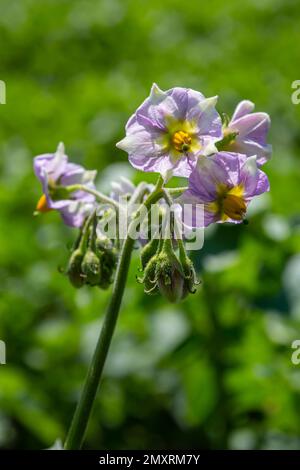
<point x="55" y="173"/>
<point x="247" y="133"/>
<point x="224" y="184"/>
<point x="170" y="130"/>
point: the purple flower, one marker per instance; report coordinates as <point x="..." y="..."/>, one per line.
<point x="170" y="129"/>
<point x="56" y="173"/>
<point x="247" y="133"/>
<point x="224" y="184"/>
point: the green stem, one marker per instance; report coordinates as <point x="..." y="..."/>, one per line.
<point x="79" y="423"/>
<point x="85" y="231"/>
<point x="99" y="196"/>
<point x="178" y="235"/>
<point x="176" y="191"/>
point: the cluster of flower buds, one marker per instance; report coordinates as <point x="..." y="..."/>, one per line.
<point x="93" y="261"/>
<point x="166" y="273"/>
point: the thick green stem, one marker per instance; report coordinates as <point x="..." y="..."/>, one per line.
<point x="79" y="423"/>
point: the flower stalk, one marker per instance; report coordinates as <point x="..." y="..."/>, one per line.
<point x="100" y="197"/>
<point x="80" y="420"/>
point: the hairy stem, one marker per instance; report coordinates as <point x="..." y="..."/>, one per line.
<point x="100" y="197"/>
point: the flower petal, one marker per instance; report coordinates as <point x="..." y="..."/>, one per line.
<point x="249" y="148"/>
<point x="141" y="144"/>
<point x="75" y="213"/>
<point x="181" y="98"/>
<point x="255" y="181"/>
<point x="253" y="126"/>
<point x="243" y="108"/>
<point x="53" y="164"/>
<point x="221" y="168"/>
<point x="165" y="165"/>
<point x="155" y="109"/>
<point x="206" y="117"/>
<point x="54" y="170"/>
<point x="252" y="131"/>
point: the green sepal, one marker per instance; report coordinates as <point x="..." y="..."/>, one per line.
<point x="74" y="270"/>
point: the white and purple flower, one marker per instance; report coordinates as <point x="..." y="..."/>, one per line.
<point x="55" y="173"/>
<point x="170" y="130"/>
<point x="224" y="184"/>
<point x="247" y="133"/>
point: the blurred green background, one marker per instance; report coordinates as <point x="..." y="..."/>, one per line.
<point x="214" y="371"/>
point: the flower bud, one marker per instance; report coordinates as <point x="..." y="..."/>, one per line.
<point x="74" y="270"/>
<point x="189" y="273"/>
<point x="149" y="251"/>
<point x="91" y="268"/>
<point x="190" y="277"/>
<point x="149" y="278"/>
<point x="170" y="277"/>
<point x="108" y="259"/>
<point x="108" y="263"/>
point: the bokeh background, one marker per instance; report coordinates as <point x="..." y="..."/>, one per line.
<point x="214" y="371"/>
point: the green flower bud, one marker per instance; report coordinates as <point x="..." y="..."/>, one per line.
<point x="174" y="278"/>
<point x="170" y="277"/>
<point x="74" y="270"/>
<point x="163" y="274"/>
<point x="108" y="259"/>
<point x="108" y="263"/>
<point x="149" y="251"/>
<point x="190" y="276"/>
<point x="149" y="278"/>
<point x="91" y="268"/>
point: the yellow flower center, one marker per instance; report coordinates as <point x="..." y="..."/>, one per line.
<point x="42" y="205"/>
<point x="181" y="141"/>
<point x="230" y="202"/>
<point x="234" y="207"/>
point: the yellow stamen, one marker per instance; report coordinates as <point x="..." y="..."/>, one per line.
<point x="181" y="141"/>
<point x="42" y="205"/>
<point x="234" y="207"/>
